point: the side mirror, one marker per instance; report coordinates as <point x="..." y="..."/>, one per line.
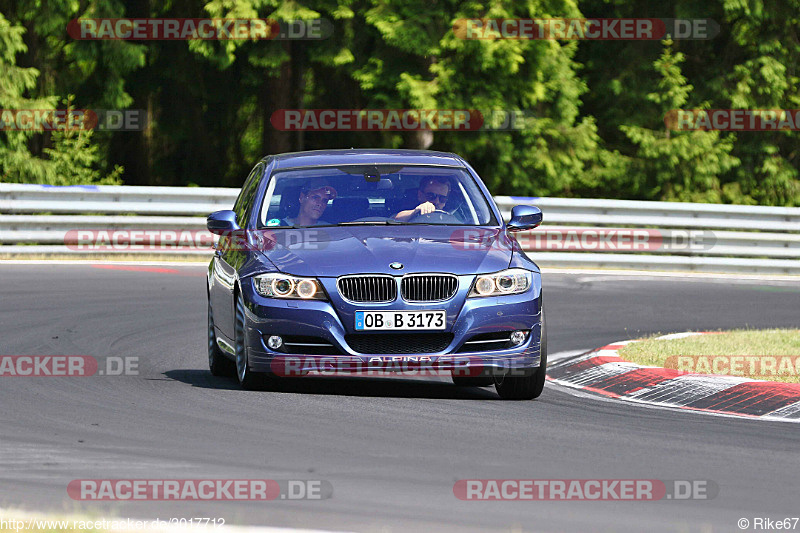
<point x="222" y="222"/>
<point x="524" y="217"/>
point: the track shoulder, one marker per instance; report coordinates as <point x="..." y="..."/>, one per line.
<point x="604" y="372"/>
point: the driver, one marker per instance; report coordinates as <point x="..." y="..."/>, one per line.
<point x="313" y="199"/>
<point x="431" y="195"/>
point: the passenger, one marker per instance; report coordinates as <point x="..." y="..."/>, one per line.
<point x="313" y="199"/>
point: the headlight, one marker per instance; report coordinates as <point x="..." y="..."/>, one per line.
<point x="284" y="286"/>
<point x="511" y="281"/>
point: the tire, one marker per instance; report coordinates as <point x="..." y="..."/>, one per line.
<point x="217" y="362"/>
<point x="526" y="387"/>
<point x="468" y="381"/>
<point x="248" y="379"/>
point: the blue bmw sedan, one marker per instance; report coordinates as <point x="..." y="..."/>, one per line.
<point x="360" y="260"/>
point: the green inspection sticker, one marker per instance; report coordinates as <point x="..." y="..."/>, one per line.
<point x="274" y="222"/>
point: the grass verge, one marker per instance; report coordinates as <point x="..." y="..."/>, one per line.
<point x="768" y="354"/>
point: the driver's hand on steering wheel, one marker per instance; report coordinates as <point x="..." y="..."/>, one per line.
<point x="425" y="208"/>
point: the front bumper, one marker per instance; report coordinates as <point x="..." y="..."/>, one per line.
<point x="332" y="321"/>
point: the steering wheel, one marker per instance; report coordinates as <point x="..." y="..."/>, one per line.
<point x="438" y="216"/>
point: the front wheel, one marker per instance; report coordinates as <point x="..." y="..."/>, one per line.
<point x="530" y="386"/>
<point x="248" y="379"/>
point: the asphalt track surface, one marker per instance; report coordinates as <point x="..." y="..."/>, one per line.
<point x="391" y="448"/>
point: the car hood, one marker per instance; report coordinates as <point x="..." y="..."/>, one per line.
<point x="336" y="251"/>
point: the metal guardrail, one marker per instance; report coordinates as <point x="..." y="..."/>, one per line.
<point x="36" y="219"/>
<point x="112" y="199"/>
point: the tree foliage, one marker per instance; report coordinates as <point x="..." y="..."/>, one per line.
<point x="594" y="109"/>
<point x="672" y="165"/>
<point x="67" y="157"/>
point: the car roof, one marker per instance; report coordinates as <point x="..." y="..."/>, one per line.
<point x="352" y="156"/>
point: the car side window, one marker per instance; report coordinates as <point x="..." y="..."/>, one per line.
<point x="244" y="203"/>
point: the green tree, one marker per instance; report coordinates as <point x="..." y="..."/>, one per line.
<point x="73" y="157"/>
<point x="671" y="165"/>
<point x="750" y="64"/>
<point x="758" y="70"/>
<point x="16" y="160"/>
<point x="416" y="60"/>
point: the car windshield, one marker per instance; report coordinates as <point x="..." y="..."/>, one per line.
<point x="374" y="195"/>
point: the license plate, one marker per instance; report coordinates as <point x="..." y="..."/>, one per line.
<point x="400" y="320"/>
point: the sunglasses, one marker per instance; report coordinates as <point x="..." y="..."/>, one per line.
<point x="431" y="197"/>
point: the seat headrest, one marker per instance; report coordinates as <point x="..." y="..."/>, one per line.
<point x="289" y="205"/>
<point x="347" y="209"/>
